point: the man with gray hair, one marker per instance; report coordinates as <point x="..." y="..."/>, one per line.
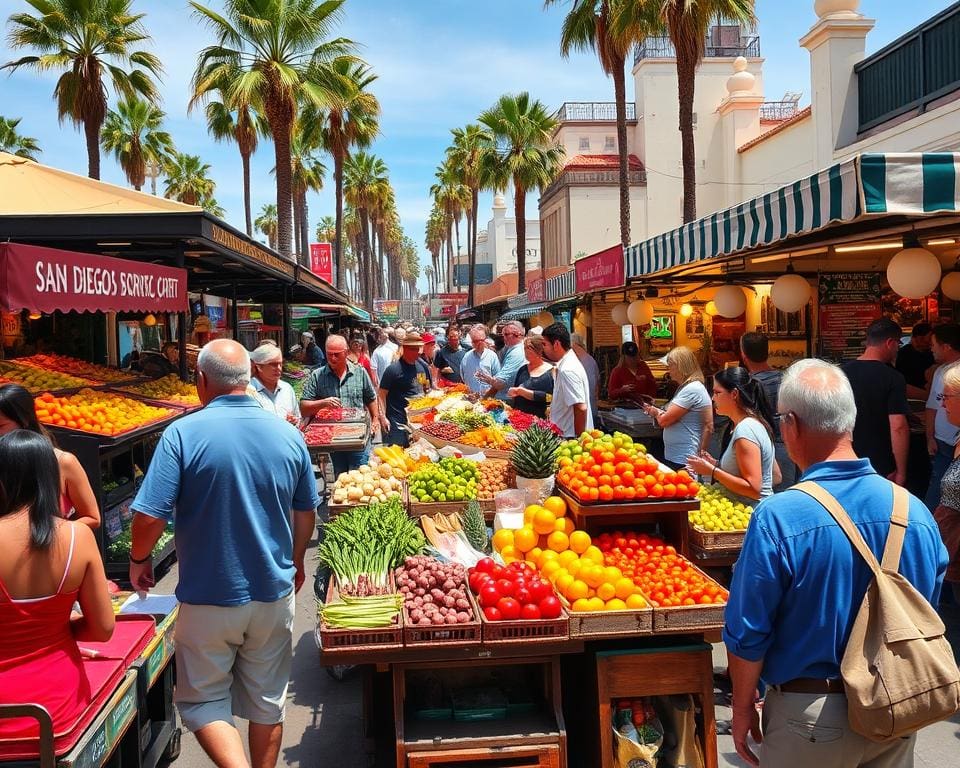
<point x="513" y="360"/>
<point x="241" y="483"/>
<point x="799" y="584"/>
<point x="479" y="361"/>
<point x="266" y="386"/>
<point x="591" y="368"/>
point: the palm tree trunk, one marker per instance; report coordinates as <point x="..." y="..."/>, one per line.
<point x="245" y="160"/>
<point x="305" y="228"/>
<point x="520" y="213"/>
<point x="91" y="132"/>
<point x="384" y="266"/>
<point x="281" y="147"/>
<point x="475" y="194"/>
<point x="456" y="261"/>
<point x="296" y="229"/>
<point x="449" y="265"/>
<point x="620" y="97"/>
<point x="686" y="76"/>
<point x="338" y="236"/>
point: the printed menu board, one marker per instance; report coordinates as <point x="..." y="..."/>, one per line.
<point x="849" y="302"/>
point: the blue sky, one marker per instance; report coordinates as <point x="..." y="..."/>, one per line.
<point x="440" y="63"/>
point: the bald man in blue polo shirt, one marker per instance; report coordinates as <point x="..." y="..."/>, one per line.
<point x="241" y="484"/>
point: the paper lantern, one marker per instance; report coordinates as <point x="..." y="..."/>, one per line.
<point x="544" y="319"/>
<point x="730" y="301"/>
<point x="950" y="285"/>
<point x="913" y="273"/>
<point x="640" y="312"/>
<point x="619" y="315"/>
<point x="710" y="309"/>
<point x="150" y="320"/>
<point x="790" y="292"/>
<point x="686" y="310"/>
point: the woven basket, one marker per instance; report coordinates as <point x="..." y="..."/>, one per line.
<point x="714" y="541"/>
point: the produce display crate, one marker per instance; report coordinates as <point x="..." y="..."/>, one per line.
<point x="338" y="509"/>
<point x="429" y="508"/>
<point x="532" y="631"/>
<point x="377" y="639"/>
<point x="465" y="635"/>
<point x="606" y="624"/>
<point x="715" y="541"/>
<point x="683" y="618"/>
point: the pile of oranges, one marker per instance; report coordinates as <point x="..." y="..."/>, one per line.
<point x="568" y="558"/>
<point x="609" y="468"/>
<point x="101" y="413"/>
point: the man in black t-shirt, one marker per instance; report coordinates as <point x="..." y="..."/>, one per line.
<point x="404" y="379"/>
<point x="881" y="433"/>
<point x="915" y="358"/>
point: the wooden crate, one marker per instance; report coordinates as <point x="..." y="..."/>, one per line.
<point x="524" y="756"/>
<point x="378" y="639"/>
<point x="683" y="618"/>
<point x="530" y="631"/>
<point x="447" y="635"/>
<point x="599" y="624"/>
<point x="339" y="509"/>
<point x="714" y="541"/>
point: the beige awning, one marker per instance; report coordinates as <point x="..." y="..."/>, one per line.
<point x="31" y="188"/>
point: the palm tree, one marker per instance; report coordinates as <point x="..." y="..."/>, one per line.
<point x="352" y="121"/>
<point x="187" y="179"/>
<point x="466" y="154"/>
<point x="89" y="42"/>
<point x="604" y="26"/>
<point x="14" y="143"/>
<point x="307" y="174"/>
<point x="454" y="198"/>
<point x="522" y="151"/>
<point x="266" y="223"/>
<point x="272" y="53"/>
<point x="133" y="134"/>
<point x="210" y="205"/>
<point x="238" y="122"/>
<point x="687" y="22"/>
<point x="364" y="177"/>
<point x="435" y="235"/>
<point x="326" y="229"/>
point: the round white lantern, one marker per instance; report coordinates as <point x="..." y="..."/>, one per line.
<point x="711" y="308"/>
<point x="619" y="315"/>
<point x="686" y="310"/>
<point x="544" y="319"/>
<point x="730" y="301"/>
<point x="913" y="273"/>
<point x="640" y="312"/>
<point x="790" y="292"/>
<point x="950" y="285"/>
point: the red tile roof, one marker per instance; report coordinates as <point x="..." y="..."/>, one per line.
<point x="803" y="114"/>
<point x="603" y="162"/>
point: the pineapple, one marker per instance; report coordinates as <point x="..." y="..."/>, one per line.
<point x="474" y="526"/>
<point x="534" y="454"/>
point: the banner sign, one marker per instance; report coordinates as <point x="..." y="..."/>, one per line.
<point x="48" y="279"/>
<point x="386" y="309"/>
<point x="603" y="269"/>
<point x="537" y="291"/>
<point x="321" y="261"/>
<point x="849" y="302"/>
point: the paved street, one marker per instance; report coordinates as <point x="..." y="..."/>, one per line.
<point x="323" y="726"/>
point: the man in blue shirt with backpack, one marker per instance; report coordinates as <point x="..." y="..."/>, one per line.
<point x="799" y="584"/>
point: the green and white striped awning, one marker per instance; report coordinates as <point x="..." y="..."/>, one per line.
<point x="866" y="185"/>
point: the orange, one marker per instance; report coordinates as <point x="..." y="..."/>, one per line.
<point x="567" y="557"/>
<point x="556" y="505"/>
<point x="534" y="554"/>
<point x="593" y="553"/>
<point x="616" y="604"/>
<point x="549" y="568"/>
<point x="612" y="574"/>
<point x="636" y="601"/>
<point x="544" y="521"/>
<point x="579" y="541"/>
<point x="558" y="541"/>
<point x="596" y="604"/>
<point x="580" y="605"/>
<point x="524" y="539"/>
<point x="565" y="525"/>
<point x="606" y="591"/>
<point x="510" y="551"/>
<point x="574" y="566"/>
<point x="593" y="575"/>
<point x="562" y="580"/>
<point x="502" y="538"/>
<point x="577" y="590"/>
<point x="624" y="588"/>
<point x="530" y="512"/>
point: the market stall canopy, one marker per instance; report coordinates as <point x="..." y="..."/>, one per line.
<point x="522" y="313"/>
<point x="48" y="279"/>
<point x="865" y="187"/>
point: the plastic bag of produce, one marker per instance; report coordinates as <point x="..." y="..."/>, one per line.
<point x="637" y="734"/>
<point x="449" y="452"/>
<point x="421" y="449"/>
<point x="630" y="754"/>
<point x="478" y="456"/>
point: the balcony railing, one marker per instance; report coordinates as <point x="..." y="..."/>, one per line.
<point x="592" y="111"/>
<point x="662" y="48"/>
<point x="778" y="110"/>
<point x="912" y="71"/>
<point x="585" y="178"/>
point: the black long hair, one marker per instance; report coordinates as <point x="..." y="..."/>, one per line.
<point x="750" y="397"/>
<point x="17" y="405"/>
<point x="30" y="477"/>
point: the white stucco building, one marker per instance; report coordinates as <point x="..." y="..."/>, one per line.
<point x="497" y="244"/>
<point x="747" y="145"/>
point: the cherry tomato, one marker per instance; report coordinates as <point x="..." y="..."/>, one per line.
<point x="509" y="608"/>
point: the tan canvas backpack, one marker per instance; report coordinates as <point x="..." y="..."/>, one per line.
<point x="898" y="669"/>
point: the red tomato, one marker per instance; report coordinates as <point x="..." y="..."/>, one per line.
<point x="505" y="587"/>
<point x="492" y="613"/>
<point x="489" y="595"/>
<point x="550" y="607"/>
<point x="477" y="580"/>
<point x="529" y="611"/>
<point x="523" y="594"/>
<point x="509" y="608"/>
<point x="486" y="565"/>
<point x="498" y="571"/>
<point x="540" y="590"/>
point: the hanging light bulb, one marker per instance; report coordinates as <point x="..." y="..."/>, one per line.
<point x="711" y="309"/>
<point x="150" y="320"/>
<point x="34" y="316"/>
<point x="686" y="310"/>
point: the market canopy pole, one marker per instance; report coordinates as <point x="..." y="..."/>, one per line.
<point x="182" y="326"/>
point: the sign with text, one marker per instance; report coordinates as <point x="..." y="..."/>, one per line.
<point x="537" y="291"/>
<point x="321" y="260"/>
<point x="849" y="302"/>
<point x="48" y="279"/>
<point x="386" y="309"/>
<point x="603" y="269"/>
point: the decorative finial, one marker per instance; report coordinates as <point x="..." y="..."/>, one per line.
<point x="836" y="8"/>
<point x="741" y="81"/>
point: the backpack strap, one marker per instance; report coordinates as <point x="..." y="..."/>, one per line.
<point x="898" y="529"/>
<point x="838" y="513"/>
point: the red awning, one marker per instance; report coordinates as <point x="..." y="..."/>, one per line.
<point x="48" y="279"/>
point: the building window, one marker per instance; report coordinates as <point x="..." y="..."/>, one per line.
<point x="610" y="143"/>
<point x="584" y="143"/>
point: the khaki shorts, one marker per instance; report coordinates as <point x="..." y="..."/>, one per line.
<point x="234" y="660"/>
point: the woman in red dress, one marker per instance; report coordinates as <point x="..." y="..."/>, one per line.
<point x="358" y="354"/>
<point x="631" y="378"/>
<point x="46" y="564"/>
